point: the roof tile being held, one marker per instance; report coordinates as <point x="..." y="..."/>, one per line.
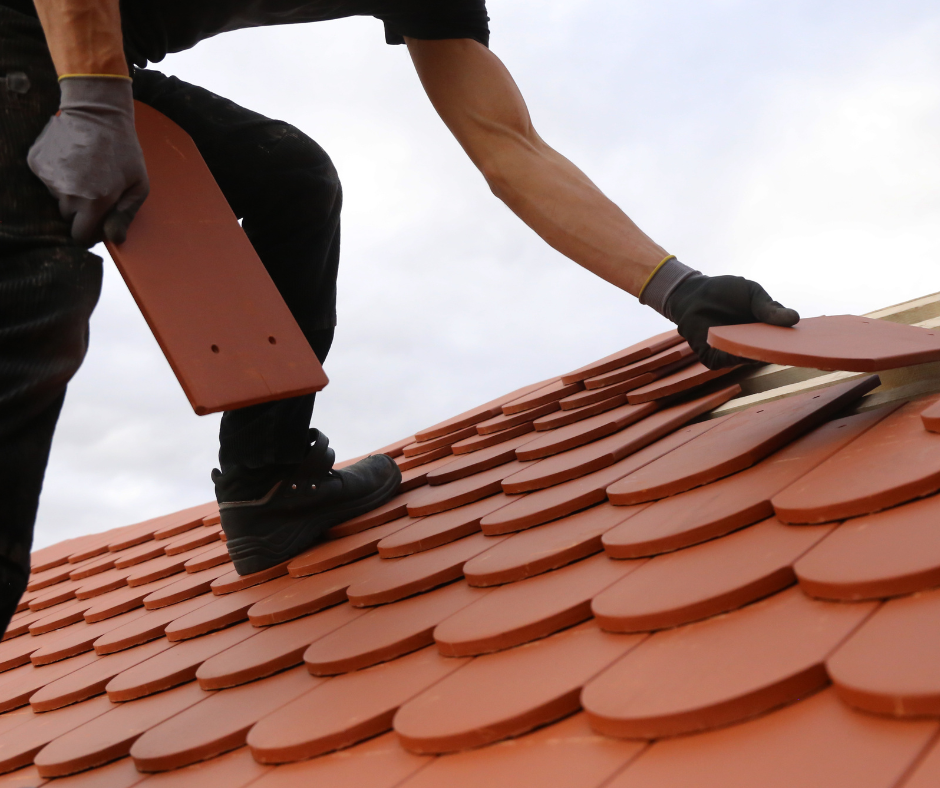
<point x="561" y="557"/>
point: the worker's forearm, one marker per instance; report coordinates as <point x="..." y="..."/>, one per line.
<point x="568" y="211"/>
<point x="84" y="36"/>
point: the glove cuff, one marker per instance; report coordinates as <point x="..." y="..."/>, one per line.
<point x="97" y="92"/>
<point x="665" y="279"/>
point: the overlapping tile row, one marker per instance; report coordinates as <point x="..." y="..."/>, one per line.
<point x="626" y="596"/>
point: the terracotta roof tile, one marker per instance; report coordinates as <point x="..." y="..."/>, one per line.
<point x="906" y="456"/>
<point x="538" y="550"/>
<point x="174" y="666"/>
<point x="881" y="555"/>
<point x="562" y="418"/>
<point x="377" y="763"/>
<point x="601" y="453"/>
<point x="818" y="743"/>
<point x="217" y="724"/>
<point x="509" y="692"/>
<point x="294" y="598"/>
<point x="889" y="665"/>
<point x="671" y="357"/>
<point x="347" y="709"/>
<point x="415" y="449"/>
<point x="930" y="417"/>
<point x="480" y="442"/>
<point x="89" y="676"/>
<point x="225" y="610"/>
<point x="721" y="670"/>
<point x="675" y="381"/>
<point x="329" y="555"/>
<point x="729" y="503"/>
<point x="425" y="533"/>
<point x="109" y="735"/>
<point x="740" y="442"/>
<point x="732" y="636"/>
<point x="566" y="755"/>
<point x="469" y="464"/>
<point x="388" y="631"/>
<point x="927" y="772"/>
<point x="520" y="612"/>
<point x="398" y="578"/>
<point x="843" y="342"/>
<point x="716" y="577"/>
<point x="273" y="649"/>
<point x="443" y="497"/>
<point x="622" y="358"/>
<point x="566" y="498"/>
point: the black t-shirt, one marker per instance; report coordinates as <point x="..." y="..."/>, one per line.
<point x="154" y="28"/>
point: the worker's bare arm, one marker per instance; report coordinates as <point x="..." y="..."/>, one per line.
<point x="478" y="100"/>
<point x="84" y="36"/>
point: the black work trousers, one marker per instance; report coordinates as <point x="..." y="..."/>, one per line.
<point x="279" y="182"/>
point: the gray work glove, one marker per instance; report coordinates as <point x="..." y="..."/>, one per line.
<point x="696" y="302"/>
<point x="89" y="158"/>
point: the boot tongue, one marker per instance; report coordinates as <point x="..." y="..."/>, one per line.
<point x="320" y="457"/>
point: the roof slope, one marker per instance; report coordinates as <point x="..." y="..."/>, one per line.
<point x="571" y="589"/>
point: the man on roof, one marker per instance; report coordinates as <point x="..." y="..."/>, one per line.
<point x="73" y="173"/>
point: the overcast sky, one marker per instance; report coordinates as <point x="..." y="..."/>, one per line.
<point x="795" y="143"/>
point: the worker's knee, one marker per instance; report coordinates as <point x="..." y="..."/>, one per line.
<point x="300" y="183"/>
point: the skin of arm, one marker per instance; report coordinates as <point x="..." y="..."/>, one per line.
<point x="479" y="102"/>
<point x="84" y="36"/>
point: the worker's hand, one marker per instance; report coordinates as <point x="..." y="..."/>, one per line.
<point x="695" y="303"/>
<point x="700" y="302"/>
<point x="89" y="158"/>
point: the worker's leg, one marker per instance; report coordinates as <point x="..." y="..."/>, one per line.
<point x="277" y="490"/>
<point x="284" y="188"/>
<point x="48" y="288"/>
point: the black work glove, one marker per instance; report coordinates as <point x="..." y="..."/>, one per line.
<point x="696" y="302"/>
<point x="89" y="158"/>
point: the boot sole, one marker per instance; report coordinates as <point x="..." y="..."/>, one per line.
<point x="252" y="554"/>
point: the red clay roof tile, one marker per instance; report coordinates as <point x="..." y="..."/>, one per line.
<point x="301" y="597"/>
<point x="469" y="464"/>
<point x="843" y="342"/>
<point x="174" y="666"/>
<point x="416" y="449"/>
<point x="562" y="418"/>
<point x="18" y="685"/>
<point x="675" y="381"/>
<point x="885" y="554"/>
<point x="889" y="666"/>
<point x="109" y="735"/>
<point x="80" y="637"/>
<point x="740" y="442"/>
<point x="509" y="692"/>
<point x="377" y="763"/>
<point x="504" y="422"/>
<point x="520" y="612"/>
<point x="347" y="709"/>
<point x="186" y="586"/>
<point x="730" y="503"/>
<point x="426" y="533"/>
<point x="930" y="417"/>
<point x="452" y="495"/>
<point x="89" y="676"/>
<point x="231" y="581"/>
<point x="817" y="743"/>
<point x="538" y="550"/>
<point x="146" y="628"/>
<point x="398" y="578"/>
<point x="565" y="755"/>
<point x="388" y="631"/>
<point x="480" y="442"/>
<point x="566" y="498"/>
<point x="337" y="552"/>
<point x="628" y="355"/>
<point x="273" y="649"/>
<point x="218" y="723"/>
<point x="721" y="670"/>
<point x="894" y="462"/>
<point x="716" y="577"/>
<point x="551" y="392"/>
<point x="672" y="357"/>
<point x="235" y="769"/>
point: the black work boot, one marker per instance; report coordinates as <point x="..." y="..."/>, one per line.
<point x="272" y="514"/>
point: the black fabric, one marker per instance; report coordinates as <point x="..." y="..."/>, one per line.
<point x="284" y="188"/>
<point x="48" y="288"/>
<point x="155" y="28"/>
